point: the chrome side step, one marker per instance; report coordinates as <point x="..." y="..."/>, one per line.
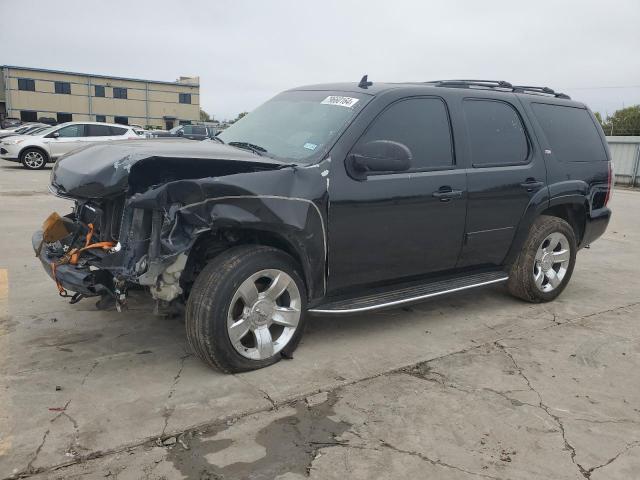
<point x="409" y="294"/>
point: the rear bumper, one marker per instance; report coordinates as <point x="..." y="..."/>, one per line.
<point x="597" y="222"/>
<point x="74" y="278"/>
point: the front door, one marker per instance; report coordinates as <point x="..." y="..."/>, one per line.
<point x="398" y="225"/>
<point x="68" y="138"/>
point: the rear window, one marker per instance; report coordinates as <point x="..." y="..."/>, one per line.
<point x="117" y="130"/>
<point x="571" y="133"/>
<point x="496" y="133"/>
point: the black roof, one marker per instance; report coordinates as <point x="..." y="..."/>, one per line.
<point x="498" y="86"/>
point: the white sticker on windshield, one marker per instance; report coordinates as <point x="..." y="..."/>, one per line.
<point x="340" y="101"/>
<point x="310" y="146"/>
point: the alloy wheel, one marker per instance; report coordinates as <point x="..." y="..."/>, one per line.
<point x="264" y="314"/>
<point x="551" y="262"/>
<point x="34" y="160"/>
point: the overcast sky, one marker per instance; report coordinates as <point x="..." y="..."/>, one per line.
<point x="247" y="51"/>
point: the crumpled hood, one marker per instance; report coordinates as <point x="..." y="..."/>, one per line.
<point x="109" y="168"/>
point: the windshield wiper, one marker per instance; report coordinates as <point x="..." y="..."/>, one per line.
<point x="257" y="149"/>
<point x="215" y="138"/>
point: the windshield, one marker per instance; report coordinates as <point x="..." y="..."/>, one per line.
<point x="46" y="131"/>
<point x="38" y="130"/>
<point x="297" y="124"/>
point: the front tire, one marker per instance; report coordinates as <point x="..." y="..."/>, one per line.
<point x="545" y="264"/>
<point x="246" y="309"/>
<point x="33" y="159"/>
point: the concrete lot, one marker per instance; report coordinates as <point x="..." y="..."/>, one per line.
<point x="473" y="385"/>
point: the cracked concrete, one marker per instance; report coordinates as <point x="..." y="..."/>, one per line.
<point x="477" y="385"/>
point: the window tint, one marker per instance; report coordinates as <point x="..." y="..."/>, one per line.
<point x="98" y="131"/>
<point x="119" y="92"/>
<point x="28" y="116"/>
<point x="101" y="118"/>
<point x="27" y="84"/>
<point x="572" y="135"/>
<point x="199" y="130"/>
<point x="64" y="117"/>
<point x="422" y="125"/>
<point x="121" y="120"/>
<point x="118" y="130"/>
<point x="496" y="134"/>
<point x="185" y="98"/>
<point x="72" y="131"/>
<point x="99" y="91"/>
<point x="63" y="87"/>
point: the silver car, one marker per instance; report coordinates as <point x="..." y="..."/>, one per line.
<point x="35" y="151"/>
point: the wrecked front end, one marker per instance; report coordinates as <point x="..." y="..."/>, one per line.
<point x="141" y="209"/>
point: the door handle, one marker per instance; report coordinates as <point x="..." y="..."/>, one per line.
<point x="532" y="184"/>
<point x="446" y="195"/>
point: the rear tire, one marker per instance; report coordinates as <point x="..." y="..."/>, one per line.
<point x="545" y="264"/>
<point x="33" y="159"/>
<point x="246" y="309"/>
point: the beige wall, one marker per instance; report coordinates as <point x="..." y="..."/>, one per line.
<point x="146" y="104"/>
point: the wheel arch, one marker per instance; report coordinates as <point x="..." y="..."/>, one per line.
<point x="47" y="157"/>
<point x="210" y="244"/>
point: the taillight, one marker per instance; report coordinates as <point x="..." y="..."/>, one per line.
<point x="610" y="181"/>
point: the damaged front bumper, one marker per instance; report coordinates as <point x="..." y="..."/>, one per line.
<point x="81" y="278"/>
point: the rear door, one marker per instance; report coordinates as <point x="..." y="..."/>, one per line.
<point x="506" y="173"/>
<point x="396" y="225"/>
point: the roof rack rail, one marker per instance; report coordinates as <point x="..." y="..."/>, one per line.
<point x="500" y="85"/>
<point x="544" y="90"/>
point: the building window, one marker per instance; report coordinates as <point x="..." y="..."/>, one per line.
<point x="63" y="87"/>
<point x="99" y="91"/>
<point x="119" y="92"/>
<point x="101" y="118"/>
<point x="28" y="115"/>
<point x="185" y="122"/>
<point x="27" y="84"/>
<point x="64" y="117"/>
<point x="121" y="120"/>
<point x="185" y="98"/>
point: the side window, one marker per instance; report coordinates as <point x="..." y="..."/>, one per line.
<point x="117" y="130"/>
<point x="422" y="124"/>
<point x="187" y="129"/>
<point x="71" y="131"/>
<point x="496" y="134"/>
<point x="572" y="135"/>
<point x="97" y="131"/>
<point x="199" y="130"/>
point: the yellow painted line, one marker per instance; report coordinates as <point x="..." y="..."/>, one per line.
<point x="5" y="433"/>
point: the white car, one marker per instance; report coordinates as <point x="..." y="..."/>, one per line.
<point x="34" y="151"/>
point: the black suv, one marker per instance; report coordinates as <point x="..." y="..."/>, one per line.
<point x="334" y="199"/>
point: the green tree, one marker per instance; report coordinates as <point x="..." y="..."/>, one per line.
<point x="205" y="117"/>
<point x="623" y="122"/>
<point x="240" y="115"/>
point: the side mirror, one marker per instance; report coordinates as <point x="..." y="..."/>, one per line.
<point x="378" y="156"/>
<point x="53" y="135"/>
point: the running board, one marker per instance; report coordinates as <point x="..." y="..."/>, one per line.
<point x="413" y="293"/>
